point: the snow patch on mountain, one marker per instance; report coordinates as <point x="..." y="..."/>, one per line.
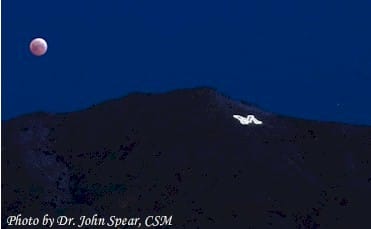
<point x="249" y="119"/>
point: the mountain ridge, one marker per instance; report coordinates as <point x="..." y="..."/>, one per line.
<point x="213" y="92"/>
<point x="183" y="153"/>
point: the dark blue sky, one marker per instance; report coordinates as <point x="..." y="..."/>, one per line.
<point x="309" y="59"/>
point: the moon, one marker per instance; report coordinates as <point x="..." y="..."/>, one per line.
<point x="38" y="46"/>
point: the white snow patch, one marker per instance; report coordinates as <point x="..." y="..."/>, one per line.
<point x="248" y="120"/>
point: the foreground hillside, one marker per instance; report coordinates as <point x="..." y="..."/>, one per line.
<point x="183" y="154"/>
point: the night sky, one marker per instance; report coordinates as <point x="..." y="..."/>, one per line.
<point x="307" y="59"/>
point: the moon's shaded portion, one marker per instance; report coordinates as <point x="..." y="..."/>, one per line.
<point x="38" y="46"/>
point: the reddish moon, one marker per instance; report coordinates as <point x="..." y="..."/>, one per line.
<point x="38" y="46"/>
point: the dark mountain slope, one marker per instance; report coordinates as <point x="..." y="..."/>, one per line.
<point x="183" y="154"/>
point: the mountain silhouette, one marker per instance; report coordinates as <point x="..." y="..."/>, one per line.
<point x="183" y="154"/>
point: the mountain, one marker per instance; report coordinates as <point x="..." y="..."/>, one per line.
<point x="182" y="154"/>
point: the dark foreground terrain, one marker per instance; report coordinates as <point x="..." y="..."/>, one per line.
<point x="182" y="154"/>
